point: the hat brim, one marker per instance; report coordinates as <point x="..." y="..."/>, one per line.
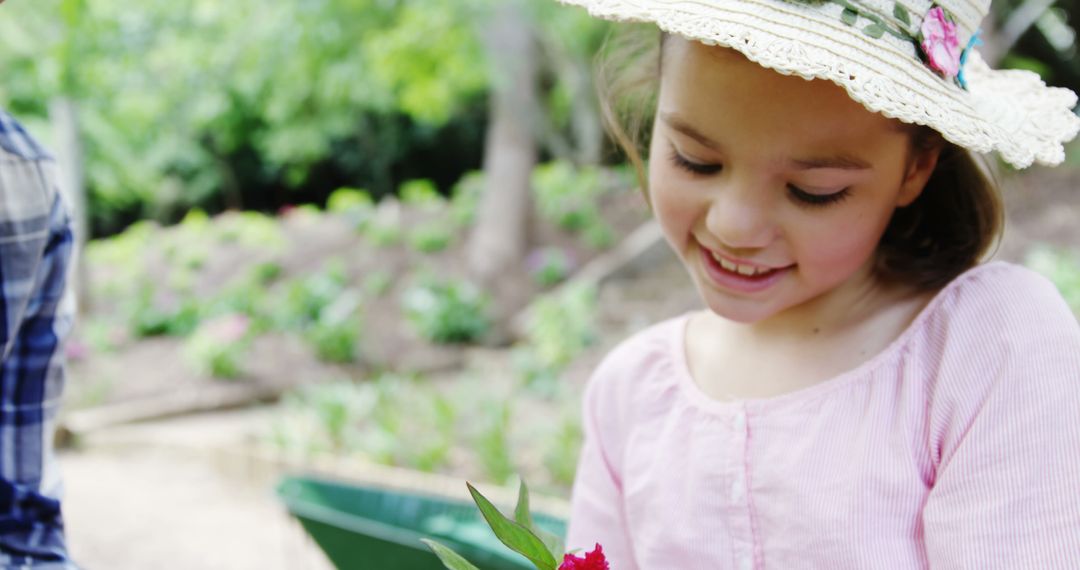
<point x="1009" y="111"/>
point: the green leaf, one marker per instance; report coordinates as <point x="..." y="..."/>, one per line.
<point x="849" y="16"/>
<point x="553" y="543"/>
<point x="523" y="515"/>
<point x="515" y="536"/>
<point x="521" y="512"/>
<point x="450" y="559"/>
<point x="901" y="14"/>
<point x="874" y="30"/>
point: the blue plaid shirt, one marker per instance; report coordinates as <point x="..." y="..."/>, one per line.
<point x="35" y="316"/>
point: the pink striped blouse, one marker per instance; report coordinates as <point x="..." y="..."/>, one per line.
<point x="956" y="447"/>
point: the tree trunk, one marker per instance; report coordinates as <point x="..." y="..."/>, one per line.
<point x="64" y="115"/>
<point x="500" y="237"/>
<point x="588" y="128"/>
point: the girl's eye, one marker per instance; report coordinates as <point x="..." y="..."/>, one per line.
<point x="693" y="167"/>
<point x="810" y="199"/>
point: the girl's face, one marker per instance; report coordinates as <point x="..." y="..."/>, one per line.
<point x="788" y="180"/>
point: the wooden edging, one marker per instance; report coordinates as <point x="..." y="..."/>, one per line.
<point x="634" y="254"/>
<point x="76" y="424"/>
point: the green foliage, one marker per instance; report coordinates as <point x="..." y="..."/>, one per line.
<point x="344" y="200"/>
<point x="392" y="419"/>
<point x="384" y="227"/>
<point x="378" y="283"/>
<point x="448" y="557"/>
<point x="124" y="254"/>
<point x="324" y="416"/>
<point x="244" y="296"/>
<point x="465" y="198"/>
<point x="517" y="537"/>
<point x="519" y="534"/>
<point x="549" y="266"/>
<point x="420" y="193"/>
<point x="1063" y="268"/>
<point x="598" y="235"/>
<point x="219" y="346"/>
<point x="356" y="205"/>
<point x="433" y="452"/>
<point x="563" y="450"/>
<point x="325" y="311"/>
<point x="265" y="273"/>
<point x="447" y="312"/>
<point x="336" y="331"/>
<point x="306" y="298"/>
<point x="559" y="328"/>
<point x="431" y="237"/>
<point x="1014" y="61"/>
<point x="383" y="234"/>
<point x="183" y="103"/>
<point x="101" y="334"/>
<point x="253" y="230"/>
<point x="523" y="516"/>
<point x="148" y="319"/>
<point x="492" y="444"/>
<point x="411" y="57"/>
<point x="334" y="342"/>
<point x="569" y="197"/>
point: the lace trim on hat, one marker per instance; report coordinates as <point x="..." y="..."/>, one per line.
<point x="1010" y="111"/>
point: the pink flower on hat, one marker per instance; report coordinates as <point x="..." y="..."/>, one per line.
<point x="592" y="561"/>
<point x="939" y="42"/>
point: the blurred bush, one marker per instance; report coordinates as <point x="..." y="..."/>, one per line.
<point x="253" y="105"/>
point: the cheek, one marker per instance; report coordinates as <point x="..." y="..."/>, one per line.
<point x="836" y="248"/>
<point x="674" y="207"/>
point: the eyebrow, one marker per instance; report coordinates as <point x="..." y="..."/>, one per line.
<point x="677" y="124"/>
<point x="840" y="162"/>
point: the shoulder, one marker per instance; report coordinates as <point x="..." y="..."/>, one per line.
<point x="1000" y="360"/>
<point x="1003" y="300"/>
<point x="999" y="323"/>
<point x="642" y="353"/>
<point x="16" y="143"/>
<point x="28" y="186"/>
<point x="1000" y="333"/>
<point x="641" y="364"/>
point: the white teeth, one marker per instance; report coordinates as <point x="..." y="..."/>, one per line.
<point x="740" y="269"/>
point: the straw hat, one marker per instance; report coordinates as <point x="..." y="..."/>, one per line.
<point x="911" y="60"/>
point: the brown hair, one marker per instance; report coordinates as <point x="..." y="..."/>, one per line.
<point x="952" y="225"/>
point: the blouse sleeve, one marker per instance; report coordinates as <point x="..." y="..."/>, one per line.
<point x="1005" y="429"/>
<point x="597" y="509"/>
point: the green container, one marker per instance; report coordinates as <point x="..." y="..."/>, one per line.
<point x="362" y="527"/>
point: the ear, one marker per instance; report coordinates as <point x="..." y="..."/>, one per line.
<point x="919" y="168"/>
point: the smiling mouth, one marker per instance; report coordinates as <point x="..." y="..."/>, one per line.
<point x="744" y="270"/>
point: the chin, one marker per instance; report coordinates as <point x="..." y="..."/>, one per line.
<point x="736" y="310"/>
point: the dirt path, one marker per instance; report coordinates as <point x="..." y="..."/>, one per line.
<point x="138" y="498"/>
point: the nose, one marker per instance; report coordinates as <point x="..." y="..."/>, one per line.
<point x="742" y="216"/>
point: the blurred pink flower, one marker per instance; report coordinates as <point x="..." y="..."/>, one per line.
<point x="76" y="350"/>
<point x="229" y="328"/>
<point x="940" y="43"/>
<point x="592" y="561"/>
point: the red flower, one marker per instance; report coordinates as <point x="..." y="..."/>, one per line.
<point x="593" y="561"/>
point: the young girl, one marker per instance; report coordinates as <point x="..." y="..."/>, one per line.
<point x="860" y="392"/>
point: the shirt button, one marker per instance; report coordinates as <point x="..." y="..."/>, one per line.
<point x="740" y="422"/>
<point x="738" y="490"/>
